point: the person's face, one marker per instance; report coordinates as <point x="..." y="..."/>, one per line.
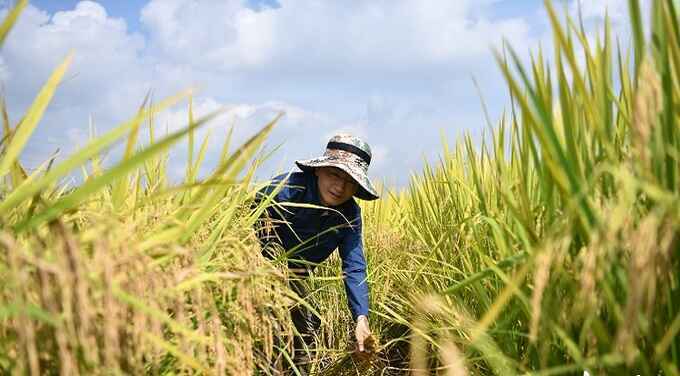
<point x="335" y="186"/>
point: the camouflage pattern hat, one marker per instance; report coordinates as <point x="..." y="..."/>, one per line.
<point x="350" y="154"/>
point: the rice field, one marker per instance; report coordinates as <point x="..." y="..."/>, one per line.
<point x="550" y="249"/>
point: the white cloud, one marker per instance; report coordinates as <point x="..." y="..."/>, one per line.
<point x="594" y="14"/>
<point x="107" y="79"/>
<point x="212" y="34"/>
<point x="307" y="35"/>
<point x="105" y="53"/>
<point x="4" y="72"/>
<point x="616" y="9"/>
<point x="357" y="129"/>
<point x="380" y="156"/>
<point x="241" y="113"/>
<point x="178" y="118"/>
<point x="393" y="72"/>
<point x="294" y="128"/>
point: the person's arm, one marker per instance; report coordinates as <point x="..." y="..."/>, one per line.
<point x="356" y="284"/>
<point x="354" y="270"/>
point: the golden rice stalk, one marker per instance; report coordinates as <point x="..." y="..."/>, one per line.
<point x="111" y="323"/>
<point x="83" y="311"/>
<point x="590" y="274"/>
<point x="541" y="277"/>
<point x="418" y="353"/>
<point x="651" y="248"/>
<point x="25" y="129"/>
<point x="429" y="305"/>
<point x="23" y="325"/>
<point x="647" y="104"/>
<point x="10" y="19"/>
<point x="452" y="359"/>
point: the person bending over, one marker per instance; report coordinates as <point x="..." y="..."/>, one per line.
<point x="309" y="235"/>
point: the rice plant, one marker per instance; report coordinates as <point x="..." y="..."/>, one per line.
<point x="553" y="247"/>
<point x="125" y="273"/>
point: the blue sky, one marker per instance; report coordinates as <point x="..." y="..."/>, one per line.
<point x="396" y="72"/>
<point x="127" y="9"/>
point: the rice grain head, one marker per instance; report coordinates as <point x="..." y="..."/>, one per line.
<point x="452" y="359"/>
<point x="541" y="277"/>
<point x="649" y="250"/>
<point x="647" y="104"/>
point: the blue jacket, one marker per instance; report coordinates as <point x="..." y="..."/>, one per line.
<point x="312" y="234"/>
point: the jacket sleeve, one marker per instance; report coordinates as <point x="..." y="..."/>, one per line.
<point x="354" y="268"/>
<point x="263" y="226"/>
<point x="292" y="186"/>
<point x="269" y="189"/>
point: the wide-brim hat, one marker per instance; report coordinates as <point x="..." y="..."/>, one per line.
<point x="350" y="154"/>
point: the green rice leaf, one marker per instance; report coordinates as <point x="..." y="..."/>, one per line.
<point x="93" y="185"/>
<point x="638" y="37"/>
<point x="32" y="117"/>
<point x="11" y="19"/>
<point x="30" y="187"/>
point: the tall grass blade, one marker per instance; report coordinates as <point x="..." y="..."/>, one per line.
<point x="32" y="117"/>
<point x="11" y="19"/>
<point x="638" y="36"/>
<point x="92" y="149"/>
<point x="93" y="185"/>
<point x="121" y="185"/>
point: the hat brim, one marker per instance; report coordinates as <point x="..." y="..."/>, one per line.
<point x="366" y="190"/>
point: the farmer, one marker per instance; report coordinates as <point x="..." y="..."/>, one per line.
<point x="310" y="235"/>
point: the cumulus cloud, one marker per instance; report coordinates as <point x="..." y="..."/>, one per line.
<point x="105" y="53"/>
<point x="616" y="9"/>
<point x="414" y="58"/>
<point x="594" y="14"/>
<point x="395" y="72"/>
<point x="306" y="36"/>
<point x="106" y="79"/>
<point x="4" y="74"/>
<point x="211" y="34"/>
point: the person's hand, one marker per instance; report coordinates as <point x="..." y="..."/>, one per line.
<point x="362" y="333"/>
